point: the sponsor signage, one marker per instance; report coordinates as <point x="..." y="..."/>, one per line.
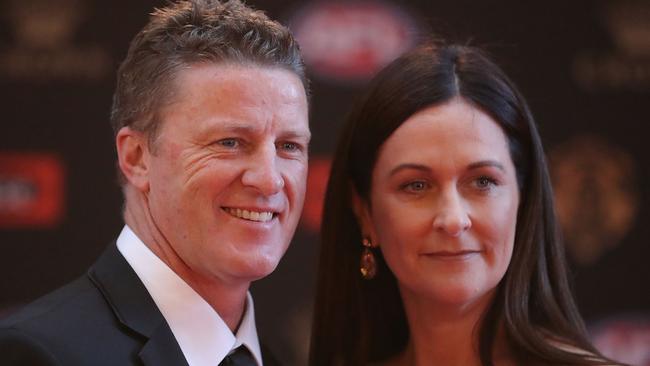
<point x="319" y="171"/>
<point x="624" y="339"/>
<point x="44" y="47"/>
<point x="31" y="190"/>
<point x="589" y="172"/>
<point x="351" y="41"/>
<point x="627" y="65"/>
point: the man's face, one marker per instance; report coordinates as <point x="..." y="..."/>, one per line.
<point x="227" y="171"/>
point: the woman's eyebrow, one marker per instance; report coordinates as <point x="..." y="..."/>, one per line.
<point x="426" y="169"/>
<point x="486" y="163"/>
<point x="404" y="166"/>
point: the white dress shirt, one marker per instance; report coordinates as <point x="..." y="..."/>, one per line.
<point x="202" y="335"/>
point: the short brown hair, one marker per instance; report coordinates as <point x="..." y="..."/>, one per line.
<point x="189" y="32"/>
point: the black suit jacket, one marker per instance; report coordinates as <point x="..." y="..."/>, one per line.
<point x="105" y="317"/>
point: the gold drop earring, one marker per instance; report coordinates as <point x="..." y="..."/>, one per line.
<point x="368" y="265"/>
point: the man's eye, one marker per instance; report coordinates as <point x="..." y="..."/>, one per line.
<point x="229" y="143"/>
<point x="289" y="146"/>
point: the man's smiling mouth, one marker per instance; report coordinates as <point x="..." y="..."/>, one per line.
<point x="259" y="216"/>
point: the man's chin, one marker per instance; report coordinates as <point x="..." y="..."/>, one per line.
<point x="256" y="270"/>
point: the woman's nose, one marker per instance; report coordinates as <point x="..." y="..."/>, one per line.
<point x="451" y="215"/>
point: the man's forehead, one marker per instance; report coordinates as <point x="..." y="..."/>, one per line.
<point x="198" y="81"/>
<point x="238" y="90"/>
<point x="230" y="71"/>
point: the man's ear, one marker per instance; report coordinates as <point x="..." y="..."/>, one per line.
<point x="133" y="157"/>
<point x="362" y="212"/>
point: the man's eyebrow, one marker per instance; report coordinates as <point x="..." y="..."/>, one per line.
<point x="405" y="166"/>
<point x="215" y="125"/>
<point x="242" y="128"/>
<point x="233" y="127"/>
<point x="297" y="134"/>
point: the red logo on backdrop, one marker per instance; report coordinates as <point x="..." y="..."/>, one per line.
<point x="625" y="339"/>
<point x="31" y="190"/>
<point x="319" y="172"/>
<point x="352" y="40"/>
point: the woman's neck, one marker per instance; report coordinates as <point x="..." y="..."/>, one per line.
<point x="446" y="334"/>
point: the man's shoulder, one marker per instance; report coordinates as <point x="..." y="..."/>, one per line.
<point x="64" y="302"/>
<point x="71" y="309"/>
<point x="48" y="330"/>
<point x="83" y="303"/>
<point x="73" y="325"/>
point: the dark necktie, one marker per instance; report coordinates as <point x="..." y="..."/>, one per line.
<point x="241" y="357"/>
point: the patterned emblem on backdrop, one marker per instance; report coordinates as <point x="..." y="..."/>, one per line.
<point x="43" y="46"/>
<point x="596" y="195"/>
<point x="351" y="41"/>
<point x="31" y="190"/>
<point x="627" y="66"/>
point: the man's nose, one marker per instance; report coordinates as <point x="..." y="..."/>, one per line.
<point x="451" y="215"/>
<point x="262" y="172"/>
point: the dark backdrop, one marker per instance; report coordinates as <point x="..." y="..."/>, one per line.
<point x="583" y="65"/>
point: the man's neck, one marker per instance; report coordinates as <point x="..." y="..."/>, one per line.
<point x="228" y="299"/>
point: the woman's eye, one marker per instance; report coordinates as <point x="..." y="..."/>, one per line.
<point x="415" y="186"/>
<point x="485" y="183"/>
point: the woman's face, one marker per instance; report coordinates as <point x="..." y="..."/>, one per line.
<point x="444" y="204"/>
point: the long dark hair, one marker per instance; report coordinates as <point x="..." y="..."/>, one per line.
<point x="358" y="321"/>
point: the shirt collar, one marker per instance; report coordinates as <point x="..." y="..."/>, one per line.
<point x="204" y="338"/>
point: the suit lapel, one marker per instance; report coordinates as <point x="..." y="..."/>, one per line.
<point x="134" y="307"/>
<point x="162" y="349"/>
<point x="267" y="357"/>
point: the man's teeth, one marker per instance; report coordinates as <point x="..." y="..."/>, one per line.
<point x="250" y="215"/>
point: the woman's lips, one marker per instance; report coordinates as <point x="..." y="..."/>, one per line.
<point x="459" y="255"/>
